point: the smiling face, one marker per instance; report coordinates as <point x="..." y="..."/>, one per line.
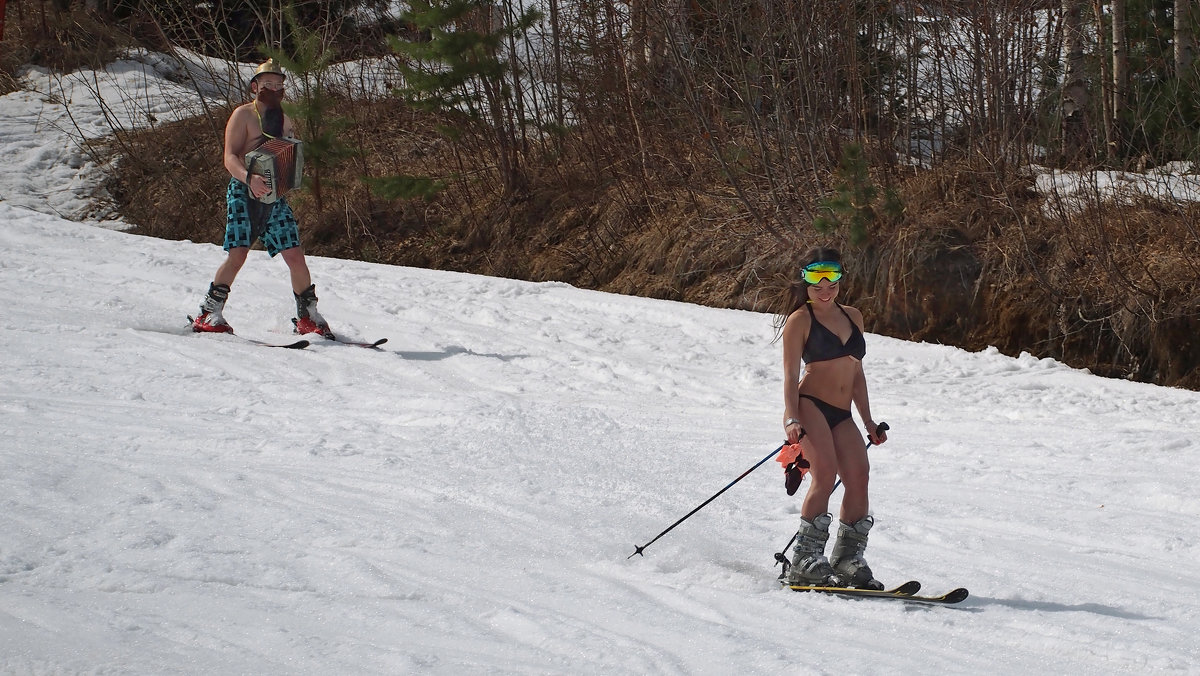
<point x="822" y="275"/>
<point x="824" y="292"/>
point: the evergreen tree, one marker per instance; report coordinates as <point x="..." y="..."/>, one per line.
<point x="852" y="204"/>
<point x="310" y="104"/>
<point x="463" y="68"/>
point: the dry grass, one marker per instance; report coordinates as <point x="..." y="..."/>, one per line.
<point x="973" y="261"/>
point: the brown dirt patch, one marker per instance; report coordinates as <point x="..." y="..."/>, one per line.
<point x="972" y="263"/>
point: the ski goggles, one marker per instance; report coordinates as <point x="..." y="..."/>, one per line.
<point x="814" y="272"/>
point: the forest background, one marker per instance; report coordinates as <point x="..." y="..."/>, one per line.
<point x="997" y="173"/>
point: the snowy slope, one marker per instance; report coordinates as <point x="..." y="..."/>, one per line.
<point x="465" y="500"/>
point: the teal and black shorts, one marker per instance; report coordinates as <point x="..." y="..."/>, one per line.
<point x="248" y="220"/>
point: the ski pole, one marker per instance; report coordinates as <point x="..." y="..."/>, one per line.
<point x="638" y="550"/>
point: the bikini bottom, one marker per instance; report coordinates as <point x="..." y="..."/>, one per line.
<point x="834" y="416"/>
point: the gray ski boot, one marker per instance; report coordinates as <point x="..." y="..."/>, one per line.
<point x="809" y="565"/>
<point x="847" y="556"/>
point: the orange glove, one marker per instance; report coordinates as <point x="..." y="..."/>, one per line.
<point x="791" y="456"/>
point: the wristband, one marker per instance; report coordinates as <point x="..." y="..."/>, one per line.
<point x="791" y="421"/>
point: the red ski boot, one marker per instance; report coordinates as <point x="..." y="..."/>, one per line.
<point x="211" y="322"/>
<point x="310" y="324"/>
<point x="308" y="320"/>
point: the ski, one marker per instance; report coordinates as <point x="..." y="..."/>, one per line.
<point x="367" y="344"/>
<point x="905" y="592"/>
<point x="907" y="589"/>
<point x="297" y="345"/>
<point x="956" y="595"/>
<point x="352" y="343"/>
<point x="328" y="335"/>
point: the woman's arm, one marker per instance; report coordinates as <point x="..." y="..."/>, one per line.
<point x="859" y="390"/>
<point x="861" y="401"/>
<point x="795" y="334"/>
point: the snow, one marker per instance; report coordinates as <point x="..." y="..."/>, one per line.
<point x="466" y="500"/>
<point x="52" y="128"/>
<point x="1073" y="191"/>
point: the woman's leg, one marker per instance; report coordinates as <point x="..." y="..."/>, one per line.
<point x="809" y="565"/>
<point x="847" y="555"/>
<point x="820" y="452"/>
<point x="854" y="469"/>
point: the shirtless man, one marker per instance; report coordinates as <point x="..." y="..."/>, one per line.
<point x="248" y="220"/>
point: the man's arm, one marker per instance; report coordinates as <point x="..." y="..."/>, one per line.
<point x="237" y="137"/>
<point x="235" y="146"/>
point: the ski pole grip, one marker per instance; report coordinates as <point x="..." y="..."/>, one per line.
<point x="881" y="427"/>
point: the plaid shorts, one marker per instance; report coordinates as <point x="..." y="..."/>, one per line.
<point x="248" y="220"/>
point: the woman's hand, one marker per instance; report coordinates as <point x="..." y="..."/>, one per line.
<point x="792" y="428"/>
<point x="876" y="434"/>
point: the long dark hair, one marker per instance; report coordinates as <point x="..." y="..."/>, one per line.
<point x="794" y="294"/>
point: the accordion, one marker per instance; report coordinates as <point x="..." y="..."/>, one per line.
<point x="281" y="162"/>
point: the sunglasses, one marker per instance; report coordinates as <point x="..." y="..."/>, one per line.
<point x="815" y="272"/>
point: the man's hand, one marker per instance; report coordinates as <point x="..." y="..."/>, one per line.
<point x="258" y="186"/>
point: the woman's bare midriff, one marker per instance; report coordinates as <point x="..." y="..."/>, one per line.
<point x="831" y="381"/>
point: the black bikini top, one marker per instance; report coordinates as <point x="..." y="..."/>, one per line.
<point x="823" y="344"/>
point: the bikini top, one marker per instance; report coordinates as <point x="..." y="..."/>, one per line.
<point x="823" y="344"/>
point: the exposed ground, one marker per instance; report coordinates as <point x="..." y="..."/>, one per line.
<point x="975" y="259"/>
<point x="972" y="262"/>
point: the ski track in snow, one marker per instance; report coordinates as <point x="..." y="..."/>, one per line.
<point x="465" y="500"/>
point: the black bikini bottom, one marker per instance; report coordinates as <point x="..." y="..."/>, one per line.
<point x="834" y="416"/>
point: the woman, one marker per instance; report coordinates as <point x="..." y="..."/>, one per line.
<point x="828" y="338"/>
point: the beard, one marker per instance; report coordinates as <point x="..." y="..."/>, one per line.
<point x="270" y="98"/>
<point x="271" y="102"/>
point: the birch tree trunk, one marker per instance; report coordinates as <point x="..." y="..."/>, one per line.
<point x="1106" y="88"/>
<point x="1120" y="60"/>
<point x="1074" y="93"/>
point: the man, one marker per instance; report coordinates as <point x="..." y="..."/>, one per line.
<point x="248" y="219"/>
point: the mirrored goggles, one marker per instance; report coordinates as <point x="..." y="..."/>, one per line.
<point x="815" y="272"/>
